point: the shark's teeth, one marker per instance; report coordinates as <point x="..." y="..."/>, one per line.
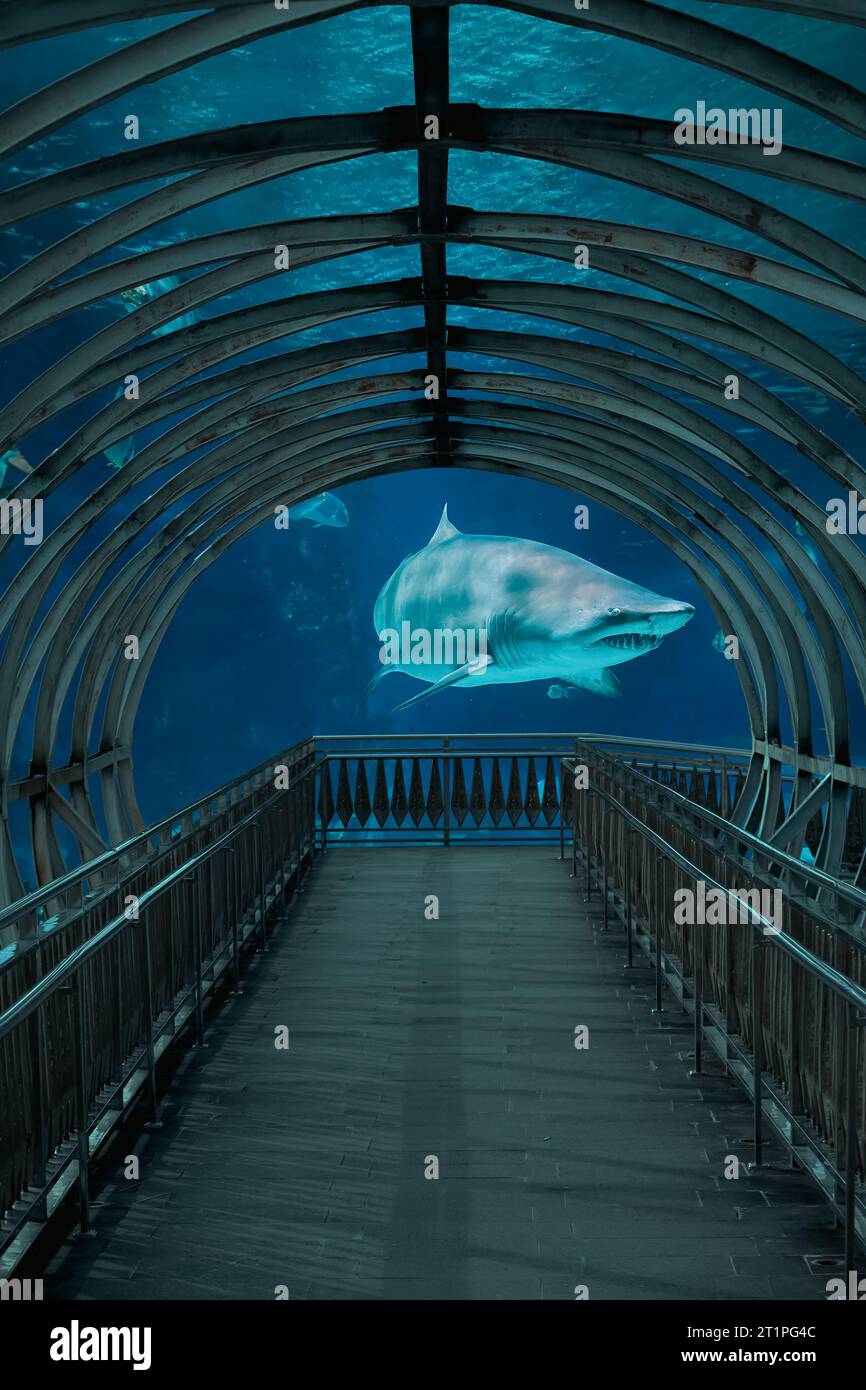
<point x="634" y="641"/>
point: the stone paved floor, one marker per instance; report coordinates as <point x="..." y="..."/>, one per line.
<point x="452" y="1039"/>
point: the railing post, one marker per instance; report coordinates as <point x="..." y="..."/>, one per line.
<point x="795" y="1089"/>
<point x="574" y="820"/>
<point x="231" y="907"/>
<point x="698" y="952"/>
<point x="730" y="986"/>
<point x="562" y="770"/>
<point x="758" y="1044"/>
<point x="852" y="1023"/>
<point x="118" y="984"/>
<point x="39" y="1069"/>
<point x="659" y="863"/>
<point x="446" y="792"/>
<point x="143" y="924"/>
<point x="628" y="932"/>
<point x="320" y="773"/>
<point x="309" y="785"/>
<point x="195" y="900"/>
<point x="296" y="838"/>
<point x="604" y="866"/>
<point x="73" y="989"/>
<point x="260" y="859"/>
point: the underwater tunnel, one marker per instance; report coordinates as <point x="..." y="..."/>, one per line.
<point x="707" y="351"/>
<point x="258" y="251"/>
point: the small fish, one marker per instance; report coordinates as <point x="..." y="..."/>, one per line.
<point x="324" y="510"/>
<point x="119" y="453"/>
<point x="806" y="543"/>
<point x="142" y="294"/>
<point x="13" y="458"/>
<point x="719" y="642"/>
<point x="558" y="691"/>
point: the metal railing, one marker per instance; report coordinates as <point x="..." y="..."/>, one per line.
<point x="80" y="1045"/>
<point x="836" y="903"/>
<point x="108" y="965"/>
<point x="439" y="790"/>
<point x="59" y="904"/>
<point x="781" y="999"/>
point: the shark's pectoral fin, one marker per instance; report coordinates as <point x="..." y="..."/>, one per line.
<point x="602" y="682"/>
<point x="382" y="672"/>
<point x="469" y="668"/>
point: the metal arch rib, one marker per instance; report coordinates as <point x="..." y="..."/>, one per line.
<point x="551" y="135"/>
<point x="627" y="436"/>
<point x="635" y="20"/>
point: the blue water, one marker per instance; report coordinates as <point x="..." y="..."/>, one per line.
<point x="276" y="640"/>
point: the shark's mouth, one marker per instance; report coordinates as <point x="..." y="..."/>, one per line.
<point x="634" y="641"/>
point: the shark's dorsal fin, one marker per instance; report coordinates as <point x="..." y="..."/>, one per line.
<point x="445" y="530"/>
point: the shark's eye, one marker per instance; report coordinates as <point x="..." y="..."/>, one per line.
<point x="614" y="612"/>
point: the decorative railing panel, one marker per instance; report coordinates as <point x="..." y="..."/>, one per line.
<point x="440" y="795"/>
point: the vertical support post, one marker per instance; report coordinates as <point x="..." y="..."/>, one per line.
<point x="656" y="896"/>
<point x="231" y="908"/>
<point x="83" y="1141"/>
<point x="281" y="855"/>
<point x="260" y="864"/>
<point x="628" y="931"/>
<point x="195" y="916"/>
<point x="795" y="1089"/>
<point x="144" y="929"/>
<point x="851" y="1041"/>
<point x="446" y="791"/>
<point x="39" y="1072"/>
<point x="698" y="950"/>
<point x="296" y="839"/>
<point x="730" y="992"/>
<point x="310" y="804"/>
<point x="604" y="866"/>
<point x="758" y="1044"/>
<point x="117" y="953"/>
<point x="562" y="772"/>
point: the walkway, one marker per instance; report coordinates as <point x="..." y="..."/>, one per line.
<point x="412" y="1038"/>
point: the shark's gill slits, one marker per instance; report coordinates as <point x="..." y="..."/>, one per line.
<point x="634" y="641"/>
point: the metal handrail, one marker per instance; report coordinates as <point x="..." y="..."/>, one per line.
<point x="28" y="1003"/>
<point x="360" y="754"/>
<point x="53" y="1159"/>
<point x="765" y="932"/>
<point x="847" y="891"/>
<point x="568" y="736"/>
<point x="39" y="896"/>
<point x="814" y="965"/>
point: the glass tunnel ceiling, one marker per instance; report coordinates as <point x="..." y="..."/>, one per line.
<point x="411" y="257"/>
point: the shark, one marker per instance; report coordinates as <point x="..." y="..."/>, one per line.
<point x="323" y="510"/>
<point x="540" y="613"/>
